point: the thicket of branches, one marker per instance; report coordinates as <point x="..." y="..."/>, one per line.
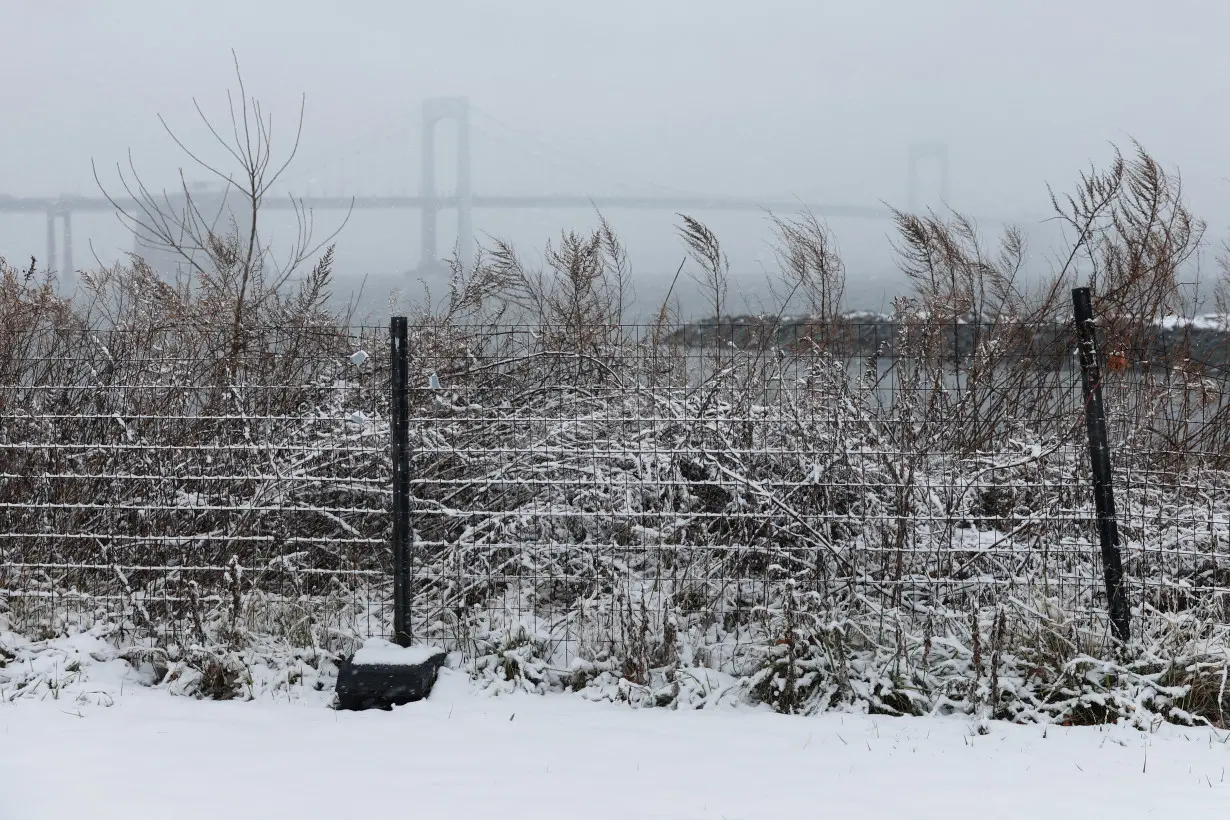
<point x="905" y="526"/>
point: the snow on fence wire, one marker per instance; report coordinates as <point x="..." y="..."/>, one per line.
<point x="641" y="490"/>
<point x="603" y="491"/>
<point x="177" y="480"/>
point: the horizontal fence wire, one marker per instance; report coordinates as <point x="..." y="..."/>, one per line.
<point x="598" y="488"/>
<point x="644" y="483"/>
<point x="181" y="479"/>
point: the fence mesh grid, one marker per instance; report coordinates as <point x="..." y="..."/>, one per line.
<point x="593" y="485"/>
<point x="138" y="480"/>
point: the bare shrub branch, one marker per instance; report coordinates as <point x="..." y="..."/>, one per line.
<point x="222" y="249"/>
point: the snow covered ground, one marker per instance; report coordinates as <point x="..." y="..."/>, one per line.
<point x="466" y="754"/>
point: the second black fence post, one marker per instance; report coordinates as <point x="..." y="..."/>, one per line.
<point x="399" y="428"/>
<point x="1099" y="458"/>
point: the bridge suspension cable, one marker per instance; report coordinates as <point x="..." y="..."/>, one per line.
<point x="552" y="154"/>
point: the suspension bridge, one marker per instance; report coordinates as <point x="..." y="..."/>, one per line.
<point x="430" y="202"/>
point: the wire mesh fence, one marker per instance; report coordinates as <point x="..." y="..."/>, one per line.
<point x="653" y="483"/>
<point x="602" y="489"/>
<point x="174" y="479"/>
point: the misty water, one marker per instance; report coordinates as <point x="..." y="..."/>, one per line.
<point x="820" y="103"/>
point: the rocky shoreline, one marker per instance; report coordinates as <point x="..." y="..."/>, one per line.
<point x="1205" y="340"/>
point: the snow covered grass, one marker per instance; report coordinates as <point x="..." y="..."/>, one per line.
<point x="627" y="521"/>
<point x="465" y="753"/>
<point x="988" y="672"/>
<point x="879" y="519"/>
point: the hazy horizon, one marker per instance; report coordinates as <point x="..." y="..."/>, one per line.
<point x="816" y="101"/>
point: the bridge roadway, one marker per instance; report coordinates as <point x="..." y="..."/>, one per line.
<point x="87" y="204"/>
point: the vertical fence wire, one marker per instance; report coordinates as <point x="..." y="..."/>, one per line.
<point x="138" y="487"/>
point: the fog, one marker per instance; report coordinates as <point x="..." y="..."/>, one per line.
<point x="814" y="100"/>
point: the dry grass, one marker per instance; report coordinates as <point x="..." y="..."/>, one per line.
<point x="900" y="523"/>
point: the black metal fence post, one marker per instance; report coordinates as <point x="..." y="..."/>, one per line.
<point x="1099" y="458"/>
<point x="399" y="427"/>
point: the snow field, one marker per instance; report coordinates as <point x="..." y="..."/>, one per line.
<point x="467" y="754"/>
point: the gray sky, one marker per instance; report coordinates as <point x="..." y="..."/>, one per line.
<point x="814" y="99"/>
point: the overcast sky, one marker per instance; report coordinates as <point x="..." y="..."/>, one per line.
<point x="814" y="98"/>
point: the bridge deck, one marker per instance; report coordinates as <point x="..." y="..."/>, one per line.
<point x="86" y="204"/>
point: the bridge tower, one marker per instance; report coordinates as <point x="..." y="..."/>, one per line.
<point x="921" y="152"/>
<point x="61" y="210"/>
<point x="456" y="109"/>
<point x="51" y="239"/>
